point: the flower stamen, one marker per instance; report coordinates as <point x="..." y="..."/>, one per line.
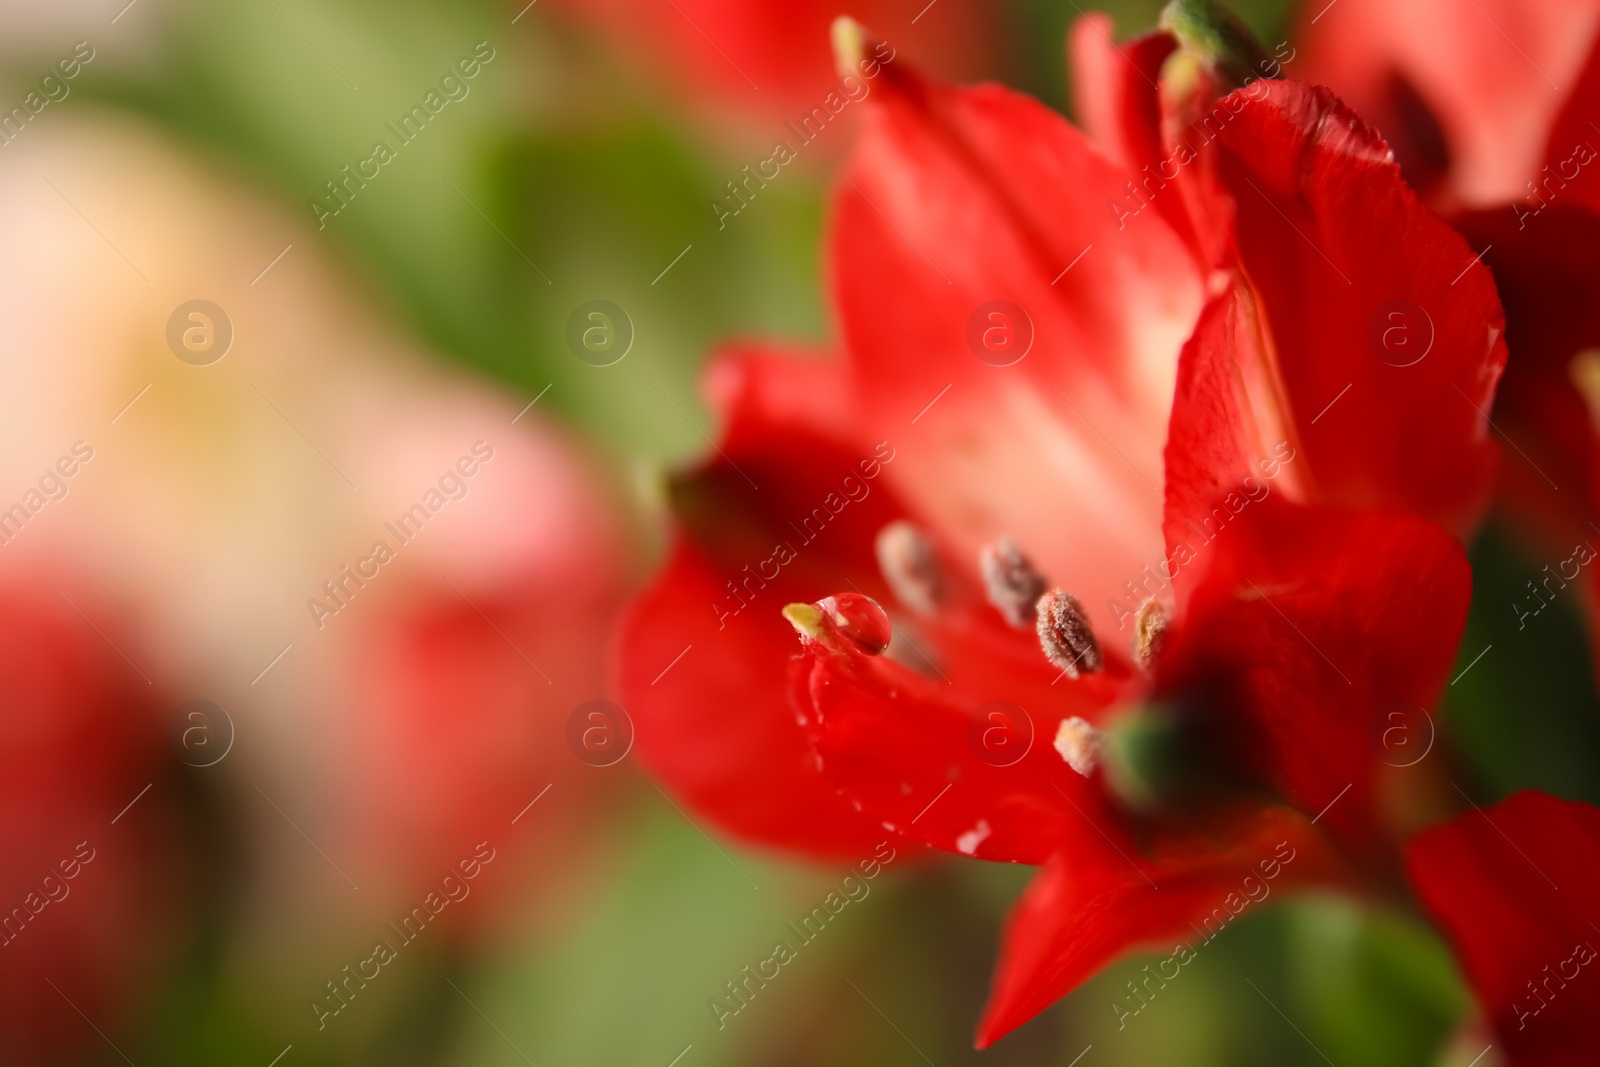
<point x="910" y="566"/>
<point x="1012" y="582"/>
<point x="1150" y="632"/>
<point x="1079" y="744"/>
<point x="1065" y="635"/>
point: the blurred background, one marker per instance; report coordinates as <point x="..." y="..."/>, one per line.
<point x="319" y="518"/>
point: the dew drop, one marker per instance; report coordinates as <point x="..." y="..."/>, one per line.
<point x="860" y="619"/>
<point x="967" y="844"/>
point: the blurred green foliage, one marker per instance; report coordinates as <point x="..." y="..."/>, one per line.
<point x="1529" y="719"/>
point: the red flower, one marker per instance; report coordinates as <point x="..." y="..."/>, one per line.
<point x="91" y="888"/>
<point x="1514" y="888"/>
<point x="1466" y="94"/>
<point x="1492" y="110"/>
<point x="460" y="699"/>
<point x="1032" y="330"/>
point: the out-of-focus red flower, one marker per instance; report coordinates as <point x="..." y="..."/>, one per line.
<point x="1493" y="109"/>
<point x="1514" y="887"/>
<point x="90" y="893"/>
<point x="460" y="678"/>
<point x="1465" y="94"/>
<point x="1219" y="322"/>
<point x="764" y="57"/>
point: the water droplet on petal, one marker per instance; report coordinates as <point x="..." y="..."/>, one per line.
<point x="967" y="844"/>
<point x="860" y="619"/>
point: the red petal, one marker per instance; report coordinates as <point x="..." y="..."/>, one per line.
<point x="1085" y="911"/>
<point x="1114" y="89"/>
<point x="1515" y="889"/>
<point x="1488" y="72"/>
<point x="1117" y="91"/>
<point x="1342" y="265"/>
<point x="1214" y="447"/>
<point x="761" y="388"/>
<point x="1571" y="155"/>
<point x="1307" y="628"/>
<point x="1548" y="272"/>
<point x="715" y="726"/>
<point x="701" y="670"/>
<point x="82" y="737"/>
<point x="909" y="748"/>
<point x="959" y="197"/>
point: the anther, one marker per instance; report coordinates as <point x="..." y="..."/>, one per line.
<point x="1079" y="744"/>
<point x="1065" y="636"/>
<point x="911" y="567"/>
<point x="1584" y="370"/>
<point x="1013" y="585"/>
<point x="1150" y="632"/>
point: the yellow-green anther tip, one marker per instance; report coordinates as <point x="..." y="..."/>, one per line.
<point x="806" y="618"/>
<point x="849" y="44"/>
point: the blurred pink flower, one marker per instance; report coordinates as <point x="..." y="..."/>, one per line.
<point x="423" y="705"/>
